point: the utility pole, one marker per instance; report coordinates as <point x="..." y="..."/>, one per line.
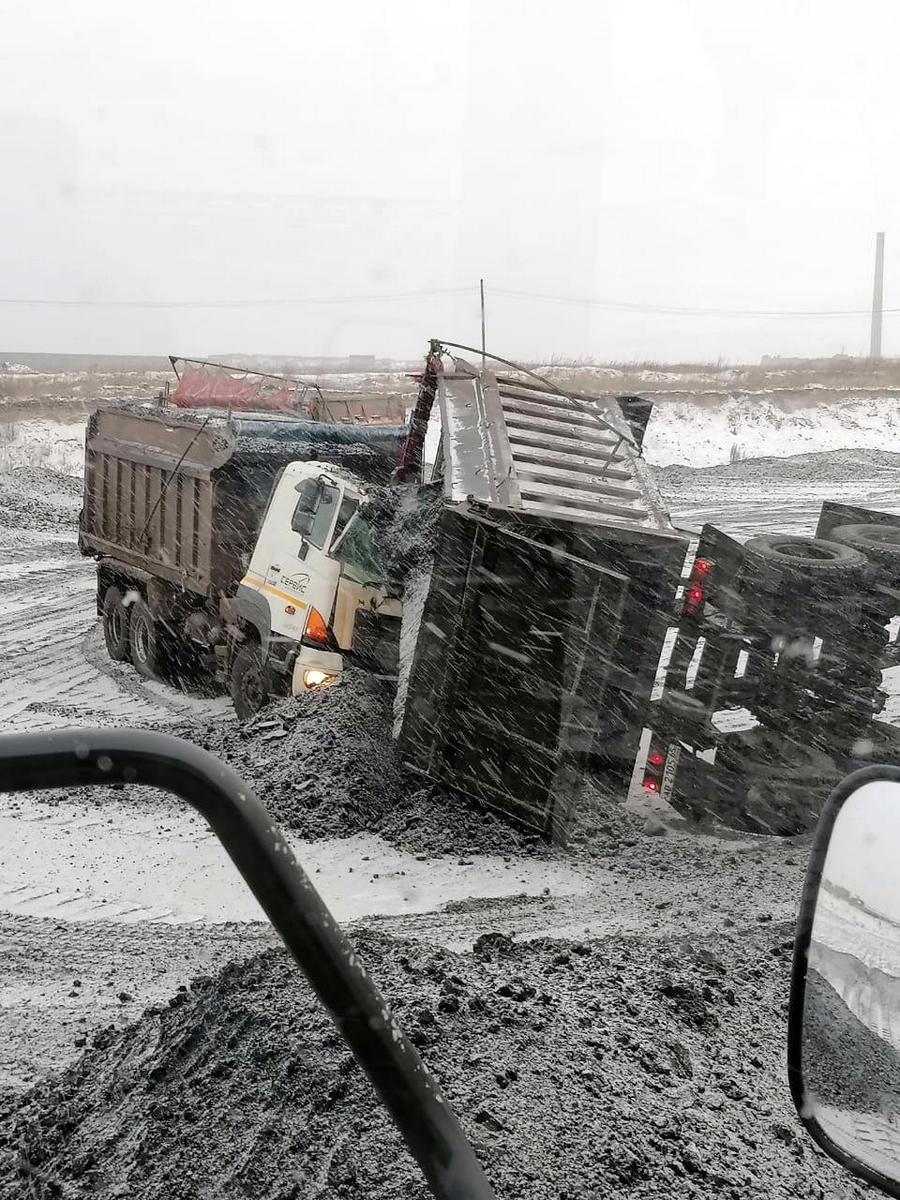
<point x="877" y="298"/>
<point x="483" y="351"/>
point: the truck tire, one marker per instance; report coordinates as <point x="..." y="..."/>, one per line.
<point x="144" y="637"/>
<point x="248" y="682"/>
<point x="116" y="621"/>
<point x="879" y="543"/>
<point x="805" y="556"/>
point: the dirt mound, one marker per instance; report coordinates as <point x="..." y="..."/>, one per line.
<point x="36" y="498"/>
<point x="324" y="765"/>
<point x="578" y="1069"/>
<point x="821" y="467"/>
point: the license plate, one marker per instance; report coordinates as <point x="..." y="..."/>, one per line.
<point x="669" y="771"/>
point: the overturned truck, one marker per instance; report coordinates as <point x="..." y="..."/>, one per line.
<point x="569" y="628"/>
<point x="539" y="622"/>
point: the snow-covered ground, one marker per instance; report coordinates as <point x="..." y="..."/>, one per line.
<point x="847" y="929"/>
<point x="698" y="435"/>
<point x="139" y="859"/>
<point x="703" y="435"/>
<point x="41" y="442"/>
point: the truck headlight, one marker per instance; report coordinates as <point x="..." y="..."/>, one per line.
<point x="316" y="677"/>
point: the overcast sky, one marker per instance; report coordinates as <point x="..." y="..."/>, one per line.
<point x="660" y="153"/>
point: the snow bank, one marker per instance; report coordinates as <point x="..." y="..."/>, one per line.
<point x="744" y="427"/>
<point x="680" y="432"/>
<point x="37" y="442"/>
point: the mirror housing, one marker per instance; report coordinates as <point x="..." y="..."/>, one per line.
<point x="302" y="522"/>
<point x="307" y="495"/>
<point x="308" y="492"/>
<point x="844" y="1017"/>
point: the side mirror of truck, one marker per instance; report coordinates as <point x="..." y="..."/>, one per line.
<point x="259" y="850"/>
<point x="302" y="522"/>
<point x="308" y="491"/>
<point x="844" y="1022"/>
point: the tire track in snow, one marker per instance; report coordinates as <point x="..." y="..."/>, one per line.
<point x="53" y="667"/>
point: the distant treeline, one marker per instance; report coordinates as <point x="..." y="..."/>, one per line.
<point x="277" y="364"/>
<point x="61" y="363"/>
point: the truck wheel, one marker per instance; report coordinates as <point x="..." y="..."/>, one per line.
<point x="879" y="543"/>
<point x="248" y="682"/>
<point x="144" y="640"/>
<point x="805" y="556"/>
<point x="116" y="619"/>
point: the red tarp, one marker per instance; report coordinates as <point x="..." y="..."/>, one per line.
<point x="201" y="387"/>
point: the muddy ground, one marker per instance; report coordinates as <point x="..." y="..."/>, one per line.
<point x="647" y="1049"/>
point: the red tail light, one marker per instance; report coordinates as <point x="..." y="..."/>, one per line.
<point x="656" y="761"/>
<point x="694" y="593"/>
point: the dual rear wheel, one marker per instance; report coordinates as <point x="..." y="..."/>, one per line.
<point x="132" y="634"/>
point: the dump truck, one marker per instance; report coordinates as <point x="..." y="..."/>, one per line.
<point x="237" y="542"/>
<point x="568" y="628"/>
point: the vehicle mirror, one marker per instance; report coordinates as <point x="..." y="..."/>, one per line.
<point x="302" y="522"/>
<point x="308" y="493"/>
<point x="844" y="1026"/>
<point x="259" y="850"/>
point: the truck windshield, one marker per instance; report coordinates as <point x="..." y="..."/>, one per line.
<point x="359" y="553"/>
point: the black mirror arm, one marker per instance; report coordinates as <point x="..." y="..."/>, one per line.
<point x="256" y="846"/>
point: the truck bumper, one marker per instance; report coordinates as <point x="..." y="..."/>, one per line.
<point x="311" y="665"/>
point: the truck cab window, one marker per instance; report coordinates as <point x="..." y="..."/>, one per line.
<point x="314" y="525"/>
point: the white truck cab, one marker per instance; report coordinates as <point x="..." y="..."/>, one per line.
<point x="316" y="568"/>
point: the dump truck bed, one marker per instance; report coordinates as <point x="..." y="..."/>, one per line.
<point x="181" y="497"/>
<point x="541" y="625"/>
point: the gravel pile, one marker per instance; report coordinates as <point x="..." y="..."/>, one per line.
<point x="821" y="467"/>
<point x="35" y="498"/>
<point x="619" y="1067"/>
<point x="325" y="766"/>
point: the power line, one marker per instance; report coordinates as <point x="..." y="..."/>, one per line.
<point x="685" y="311"/>
<point x="257" y="303"/>
<point x="622" y="306"/>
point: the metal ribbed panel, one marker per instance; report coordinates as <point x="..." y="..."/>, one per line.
<point x="517" y="446"/>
